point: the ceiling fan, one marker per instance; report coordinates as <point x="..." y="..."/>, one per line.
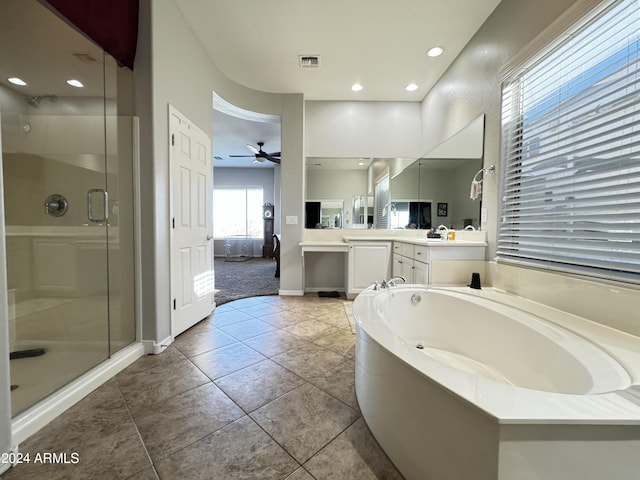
<point x="260" y="154"/>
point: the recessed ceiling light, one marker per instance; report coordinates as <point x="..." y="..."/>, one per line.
<point x="435" y="51"/>
<point x="17" y="81"/>
<point x="75" y="83"/>
<point x="412" y="87"/>
<point x="356" y="87"/>
<point x="361" y="164"/>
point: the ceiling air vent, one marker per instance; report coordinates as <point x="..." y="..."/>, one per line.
<point x="309" y="61"/>
<point x="84" y="57"/>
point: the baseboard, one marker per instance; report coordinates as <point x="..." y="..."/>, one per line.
<point x="154" y="348"/>
<point x="32" y="420"/>
<point x="291" y="293"/>
<point x="324" y="289"/>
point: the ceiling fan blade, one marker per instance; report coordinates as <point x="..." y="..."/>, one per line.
<point x="272" y="159"/>
<point x="242" y="155"/>
<point x="253" y="149"/>
<point x="274" y="154"/>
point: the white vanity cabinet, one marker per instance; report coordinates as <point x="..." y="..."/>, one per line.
<point x="416" y="261"/>
<point x="411" y="261"/>
<point x="368" y="262"/>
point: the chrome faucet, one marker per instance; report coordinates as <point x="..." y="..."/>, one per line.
<point x="388" y="283"/>
<point x="442" y="230"/>
<point x="393" y="280"/>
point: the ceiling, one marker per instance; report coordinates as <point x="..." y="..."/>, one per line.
<point x="380" y="44"/>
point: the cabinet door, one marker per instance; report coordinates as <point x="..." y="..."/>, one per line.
<point x="420" y="273"/>
<point x="368" y="262"/>
<point x="397" y="264"/>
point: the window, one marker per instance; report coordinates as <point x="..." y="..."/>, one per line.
<point x="237" y="212"/>
<point x="571" y="143"/>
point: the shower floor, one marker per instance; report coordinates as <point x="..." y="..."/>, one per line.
<point x="37" y="377"/>
<point x="73" y="332"/>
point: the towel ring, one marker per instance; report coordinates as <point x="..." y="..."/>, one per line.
<point x="484" y="171"/>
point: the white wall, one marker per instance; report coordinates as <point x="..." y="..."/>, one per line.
<point x="363" y="129"/>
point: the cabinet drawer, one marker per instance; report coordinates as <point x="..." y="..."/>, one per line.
<point x="421" y="253"/>
<point x="406" y="249"/>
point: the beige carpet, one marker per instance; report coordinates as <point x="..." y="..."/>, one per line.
<point x="253" y="278"/>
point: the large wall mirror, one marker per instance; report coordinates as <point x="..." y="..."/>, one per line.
<point x="396" y="193"/>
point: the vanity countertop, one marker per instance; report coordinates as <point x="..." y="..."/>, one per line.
<point x="428" y="242"/>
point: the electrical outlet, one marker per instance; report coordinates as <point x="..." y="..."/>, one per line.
<point x="292" y="220"/>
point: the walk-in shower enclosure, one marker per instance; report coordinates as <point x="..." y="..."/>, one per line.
<point x="67" y="163"/>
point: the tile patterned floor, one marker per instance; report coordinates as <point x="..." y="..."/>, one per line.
<point x="263" y="389"/>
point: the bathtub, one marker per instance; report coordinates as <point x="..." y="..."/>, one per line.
<point x="456" y="383"/>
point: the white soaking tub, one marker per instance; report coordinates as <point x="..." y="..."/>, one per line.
<point x="479" y="384"/>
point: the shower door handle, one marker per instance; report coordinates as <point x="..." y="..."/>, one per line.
<point x="95" y="195"/>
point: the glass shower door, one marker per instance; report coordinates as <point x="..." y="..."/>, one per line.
<point x="54" y="165"/>
<point x="56" y="214"/>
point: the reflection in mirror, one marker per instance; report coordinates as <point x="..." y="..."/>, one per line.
<point x="440" y="190"/>
<point x="362" y="211"/>
<point x="440" y="178"/>
<point x="324" y="214"/>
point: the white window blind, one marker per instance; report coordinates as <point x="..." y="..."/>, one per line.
<point x="571" y="144"/>
<point x="382" y="198"/>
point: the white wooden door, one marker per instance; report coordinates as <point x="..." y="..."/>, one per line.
<point x="192" y="279"/>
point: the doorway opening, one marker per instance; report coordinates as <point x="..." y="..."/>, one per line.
<point x="246" y="201"/>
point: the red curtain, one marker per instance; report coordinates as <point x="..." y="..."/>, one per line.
<point x="112" y="24"/>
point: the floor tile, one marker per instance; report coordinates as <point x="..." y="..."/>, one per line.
<point x="262" y="309"/>
<point x="340" y="382"/>
<point x="225" y="360"/>
<point x="284" y="318"/>
<point x="117" y="454"/>
<point x="229" y="317"/>
<point x="170" y="355"/>
<point x="146" y="474"/>
<point x="247" y="329"/>
<point x="304" y="420"/>
<point x="355" y="455"/>
<point x="341" y="341"/>
<point x="161" y="383"/>
<point x="258" y="384"/>
<point x="311" y="329"/>
<point x="240" y="451"/>
<point x="300" y="474"/>
<point x="275" y="342"/>
<point x="309" y="361"/>
<point x="186" y="408"/>
<point x="193" y="343"/>
<point x="185" y="418"/>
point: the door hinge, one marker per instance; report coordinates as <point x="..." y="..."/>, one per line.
<point x="174" y="303"/>
<point x="173" y="139"/>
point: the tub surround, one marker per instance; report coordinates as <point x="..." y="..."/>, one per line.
<point x="501" y="430"/>
<point x="612" y="304"/>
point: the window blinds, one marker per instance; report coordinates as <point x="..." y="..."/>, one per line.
<point x="383" y="203"/>
<point x="571" y="144"/>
